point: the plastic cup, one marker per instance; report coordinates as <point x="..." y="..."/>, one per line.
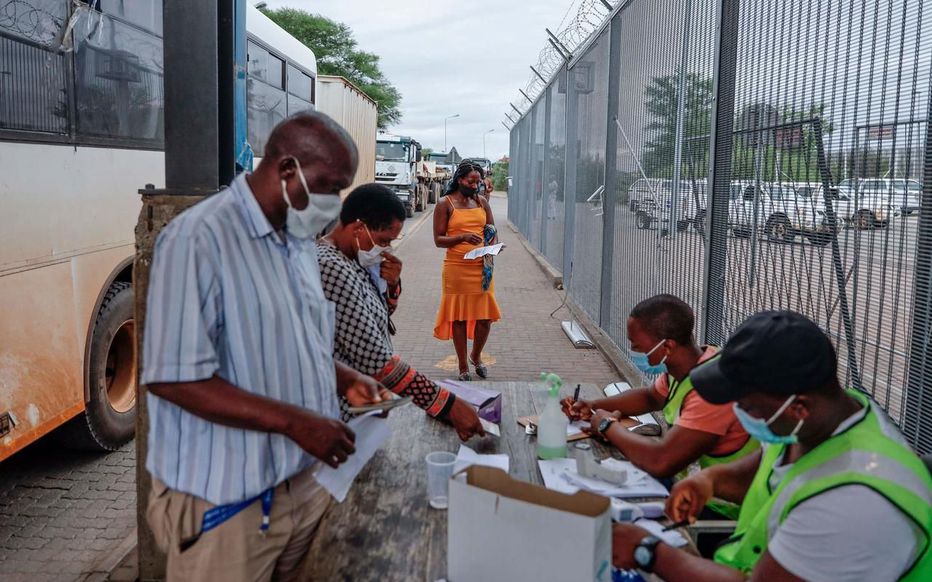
<point x="439" y="470"/>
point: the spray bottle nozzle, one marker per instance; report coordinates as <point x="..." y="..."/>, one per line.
<point x="554" y="381"/>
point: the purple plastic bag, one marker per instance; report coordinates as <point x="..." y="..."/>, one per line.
<point x="487" y="401"/>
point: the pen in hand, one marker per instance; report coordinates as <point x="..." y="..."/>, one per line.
<point x="576" y="393"/>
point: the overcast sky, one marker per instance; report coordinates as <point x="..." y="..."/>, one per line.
<point x="446" y="57"/>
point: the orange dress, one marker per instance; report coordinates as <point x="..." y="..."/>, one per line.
<point x="462" y="298"/>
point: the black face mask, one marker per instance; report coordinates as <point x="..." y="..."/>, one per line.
<point x="467" y="191"/>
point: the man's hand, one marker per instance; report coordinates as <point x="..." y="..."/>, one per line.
<point x="391" y="269"/>
<point x="576" y="409"/>
<point x="329" y="440"/>
<point x="597" y="417"/>
<point x="689" y="496"/>
<point x="626" y="537"/>
<point x="464" y="419"/>
<point x="364" y="390"/>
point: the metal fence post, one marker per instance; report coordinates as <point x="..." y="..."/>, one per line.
<point x="545" y="173"/>
<point x="680" y="121"/>
<point x="916" y="424"/>
<point x="569" y="180"/>
<point x="610" y="195"/>
<point x="723" y="117"/>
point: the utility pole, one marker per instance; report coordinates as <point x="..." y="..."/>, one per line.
<point x="445" y="151"/>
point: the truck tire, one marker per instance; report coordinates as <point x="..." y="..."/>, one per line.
<point x="779" y="229"/>
<point x="109" y="418"/>
<point x="435" y="193"/>
<point x="409" y="211"/>
<point x="420" y="198"/>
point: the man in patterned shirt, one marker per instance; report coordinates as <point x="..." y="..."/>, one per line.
<point x="360" y="275"/>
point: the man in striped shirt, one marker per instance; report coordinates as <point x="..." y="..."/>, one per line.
<point x="243" y="388"/>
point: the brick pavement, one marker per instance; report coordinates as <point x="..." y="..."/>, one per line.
<point x="62" y="512"/>
<point x="524" y="343"/>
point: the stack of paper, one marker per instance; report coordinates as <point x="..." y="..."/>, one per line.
<point x="466" y="457"/>
<point x="483" y="251"/>
<point x="560" y="475"/>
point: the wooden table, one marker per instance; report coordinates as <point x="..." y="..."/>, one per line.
<point x="385" y="529"/>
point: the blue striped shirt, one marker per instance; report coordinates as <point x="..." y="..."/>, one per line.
<point x="228" y="297"/>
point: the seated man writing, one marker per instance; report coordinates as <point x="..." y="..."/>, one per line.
<point x="661" y="333"/>
<point x="836" y="494"/>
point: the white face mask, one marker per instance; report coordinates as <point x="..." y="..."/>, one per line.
<point x="321" y="210"/>
<point x="373" y="256"/>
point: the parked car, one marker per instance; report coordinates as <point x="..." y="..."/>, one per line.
<point x="902" y="195"/>
<point x="862" y="211"/>
<point x="782" y="213"/>
<point x="652" y="202"/>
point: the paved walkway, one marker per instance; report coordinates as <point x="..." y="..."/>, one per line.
<point x="526" y="342"/>
<point x="66" y="516"/>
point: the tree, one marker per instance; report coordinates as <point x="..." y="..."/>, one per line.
<point x="662" y="104"/>
<point x="338" y="54"/>
<point x="500" y="174"/>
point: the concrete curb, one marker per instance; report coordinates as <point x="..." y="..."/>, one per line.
<point x="119" y="557"/>
<point x="555" y="276"/>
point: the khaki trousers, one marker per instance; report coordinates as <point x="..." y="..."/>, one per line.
<point x="236" y="550"/>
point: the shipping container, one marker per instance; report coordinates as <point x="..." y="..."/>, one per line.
<point x="356" y="112"/>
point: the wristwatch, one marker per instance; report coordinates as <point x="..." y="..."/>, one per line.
<point x="605" y="423"/>
<point x="645" y="554"/>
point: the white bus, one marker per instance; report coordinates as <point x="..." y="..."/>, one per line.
<point x="81" y="131"/>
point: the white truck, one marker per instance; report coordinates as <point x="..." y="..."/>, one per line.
<point x="396" y="161"/>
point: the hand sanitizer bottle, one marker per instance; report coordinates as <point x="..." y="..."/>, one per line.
<point x="551" y="427"/>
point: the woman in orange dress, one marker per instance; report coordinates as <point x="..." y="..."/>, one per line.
<point x="467" y="310"/>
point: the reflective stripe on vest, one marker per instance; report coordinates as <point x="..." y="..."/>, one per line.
<point x="671" y="413"/>
<point x="863" y="454"/>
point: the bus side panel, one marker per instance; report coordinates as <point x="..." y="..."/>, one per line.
<point x="67" y="217"/>
<point x="41" y="356"/>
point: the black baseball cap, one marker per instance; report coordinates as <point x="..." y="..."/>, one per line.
<point x="774" y="352"/>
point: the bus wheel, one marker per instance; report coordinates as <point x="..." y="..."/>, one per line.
<point x="109" y="419"/>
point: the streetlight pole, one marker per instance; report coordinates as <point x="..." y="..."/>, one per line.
<point x="483" y="143"/>
<point x="445" y="131"/>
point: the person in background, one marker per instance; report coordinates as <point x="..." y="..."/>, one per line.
<point x="362" y="277"/>
<point x="835" y="494"/>
<point x="463" y="221"/>
<point x="238" y="360"/>
<point x="663" y="343"/>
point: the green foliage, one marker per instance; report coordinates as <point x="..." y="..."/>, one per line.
<point x="662" y="104"/>
<point x="338" y="54"/>
<point x="500" y="174"/>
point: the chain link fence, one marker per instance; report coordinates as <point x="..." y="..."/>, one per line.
<point x="744" y="155"/>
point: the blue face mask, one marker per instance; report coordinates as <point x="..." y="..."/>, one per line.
<point x="759" y="428"/>
<point x="642" y="361"/>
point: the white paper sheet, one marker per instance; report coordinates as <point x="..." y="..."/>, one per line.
<point x="466" y="457"/>
<point x="483" y="251"/>
<point x="371" y="433"/>
<point x="576" y="427"/>
<point x="673" y="537"/>
<point x="560" y="475"/>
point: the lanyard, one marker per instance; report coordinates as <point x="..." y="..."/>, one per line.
<point x="216" y="516"/>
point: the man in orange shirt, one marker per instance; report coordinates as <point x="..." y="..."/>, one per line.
<point x="660" y="330"/>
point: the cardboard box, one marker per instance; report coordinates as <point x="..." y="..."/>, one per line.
<point x="503" y="529"/>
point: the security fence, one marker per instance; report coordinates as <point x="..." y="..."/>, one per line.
<point x="747" y="155"/>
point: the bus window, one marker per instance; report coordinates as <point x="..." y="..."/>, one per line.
<point x="300" y="90"/>
<point x="266" y="100"/>
<point x="34" y="87"/>
<point x="118" y="78"/>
